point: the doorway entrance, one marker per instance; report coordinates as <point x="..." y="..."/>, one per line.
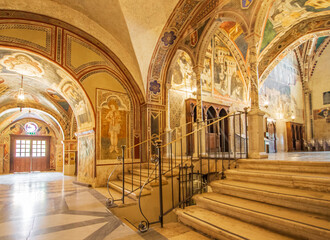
<point x="29" y="153"/>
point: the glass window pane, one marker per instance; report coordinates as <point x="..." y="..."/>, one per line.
<point x="18" y="141"/>
<point x="34" y="154"/>
<point x="38" y="154"/>
<point x="18" y="154"/>
<point x="43" y="154"/>
<point x="22" y="154"/>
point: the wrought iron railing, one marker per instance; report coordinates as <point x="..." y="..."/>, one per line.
<point x="195" y="152"/>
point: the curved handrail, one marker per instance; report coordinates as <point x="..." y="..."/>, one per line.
<point x="144" y="225"/>
<point x="188" y="134"/>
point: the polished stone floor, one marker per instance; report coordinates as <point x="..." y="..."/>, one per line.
<point x="49" y="206"/>
<point x="301" y="156"/>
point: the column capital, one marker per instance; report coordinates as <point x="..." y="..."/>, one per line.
<point x="198" y="69"/>
<point x="253" y="38"/>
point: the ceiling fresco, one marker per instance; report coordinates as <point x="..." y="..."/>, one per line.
<point x="44" y="84"/>
<point x="285" y="14"/>
<point x="236" y="34"/>
<point x="15" y="114"/>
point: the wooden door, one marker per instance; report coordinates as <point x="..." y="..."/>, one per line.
<point x="29" y="153"/>
<point x="40" y="151"/>
<point x="22" y="154"/>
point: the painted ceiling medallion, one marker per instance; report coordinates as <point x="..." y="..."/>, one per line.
<point x="22" y="64"/>
<point x="168" y="38"/>
<point x="245" y="4"/>
<point x="31" y="127"/>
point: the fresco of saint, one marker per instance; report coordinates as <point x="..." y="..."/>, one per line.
<point x="114" y="119"/>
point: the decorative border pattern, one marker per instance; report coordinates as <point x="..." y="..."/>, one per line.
<point x="12" y="41"/>
<point x="69" y="39"/>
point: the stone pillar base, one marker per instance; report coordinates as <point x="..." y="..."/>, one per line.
<point x="256" y="134"/>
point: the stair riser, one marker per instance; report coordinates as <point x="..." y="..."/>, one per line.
<point x="265" y="221"/>
<point x="304" y="204"/>
<point x="292" y="182"/>
<point x="119" y="189"/>
<point x="133" y="195"/>
<point x="204" y="228"/>
<point x="286" y="168"/>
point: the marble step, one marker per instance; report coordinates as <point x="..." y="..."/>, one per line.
<point x="223" y="227"/>
<point x="305" y="200"/>
<point x="311" y="181"/>
<point x="137" y="182"/>
<point x="146" y="173"/>
<point x="118" y="186"/>
<point x="294" y="223"/>
<point x="286" y="166"/>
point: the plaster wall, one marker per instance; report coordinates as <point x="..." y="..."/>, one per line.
<point x="102" y="80"/>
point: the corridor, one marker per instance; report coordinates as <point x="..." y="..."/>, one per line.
<point x="49" y="206"/>
<point x="38" y="206"/>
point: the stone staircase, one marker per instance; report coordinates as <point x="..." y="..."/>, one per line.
<point x="265" y="199"/>
<point x="136" y="177"/>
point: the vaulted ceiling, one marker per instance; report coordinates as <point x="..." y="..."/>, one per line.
<point x="132" y="29"/>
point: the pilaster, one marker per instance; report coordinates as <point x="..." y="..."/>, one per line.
<point x="69" y="157"/>
<point x="199" y="112"/>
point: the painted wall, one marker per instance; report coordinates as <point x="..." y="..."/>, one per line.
<point x="100" y="80"/>
<point x="222" y="81"/>
<point x="320" y="83"/>
<point x="113" y="113"/>
<point x="56" y="156"/>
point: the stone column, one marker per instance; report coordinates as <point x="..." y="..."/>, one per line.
<point x="168" y="120"/>
<point x="308" y="134"/>
<point x="199" y="108"/>
<point x="69" y="157"/>
<point x="255" y="116"/>
<point x="199" y="105"/>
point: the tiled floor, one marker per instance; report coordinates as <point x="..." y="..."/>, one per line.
<point x="301" y="156"/>
<point x="49" y="206"/>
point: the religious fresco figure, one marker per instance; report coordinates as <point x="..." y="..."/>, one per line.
<point x="114" y="119"/>
<point x="181" y="74"/>
<point x="22" y="64"/>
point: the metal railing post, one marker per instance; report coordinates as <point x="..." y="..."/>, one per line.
<point x="123" y="154"/>
<point x="161" y="216"/>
